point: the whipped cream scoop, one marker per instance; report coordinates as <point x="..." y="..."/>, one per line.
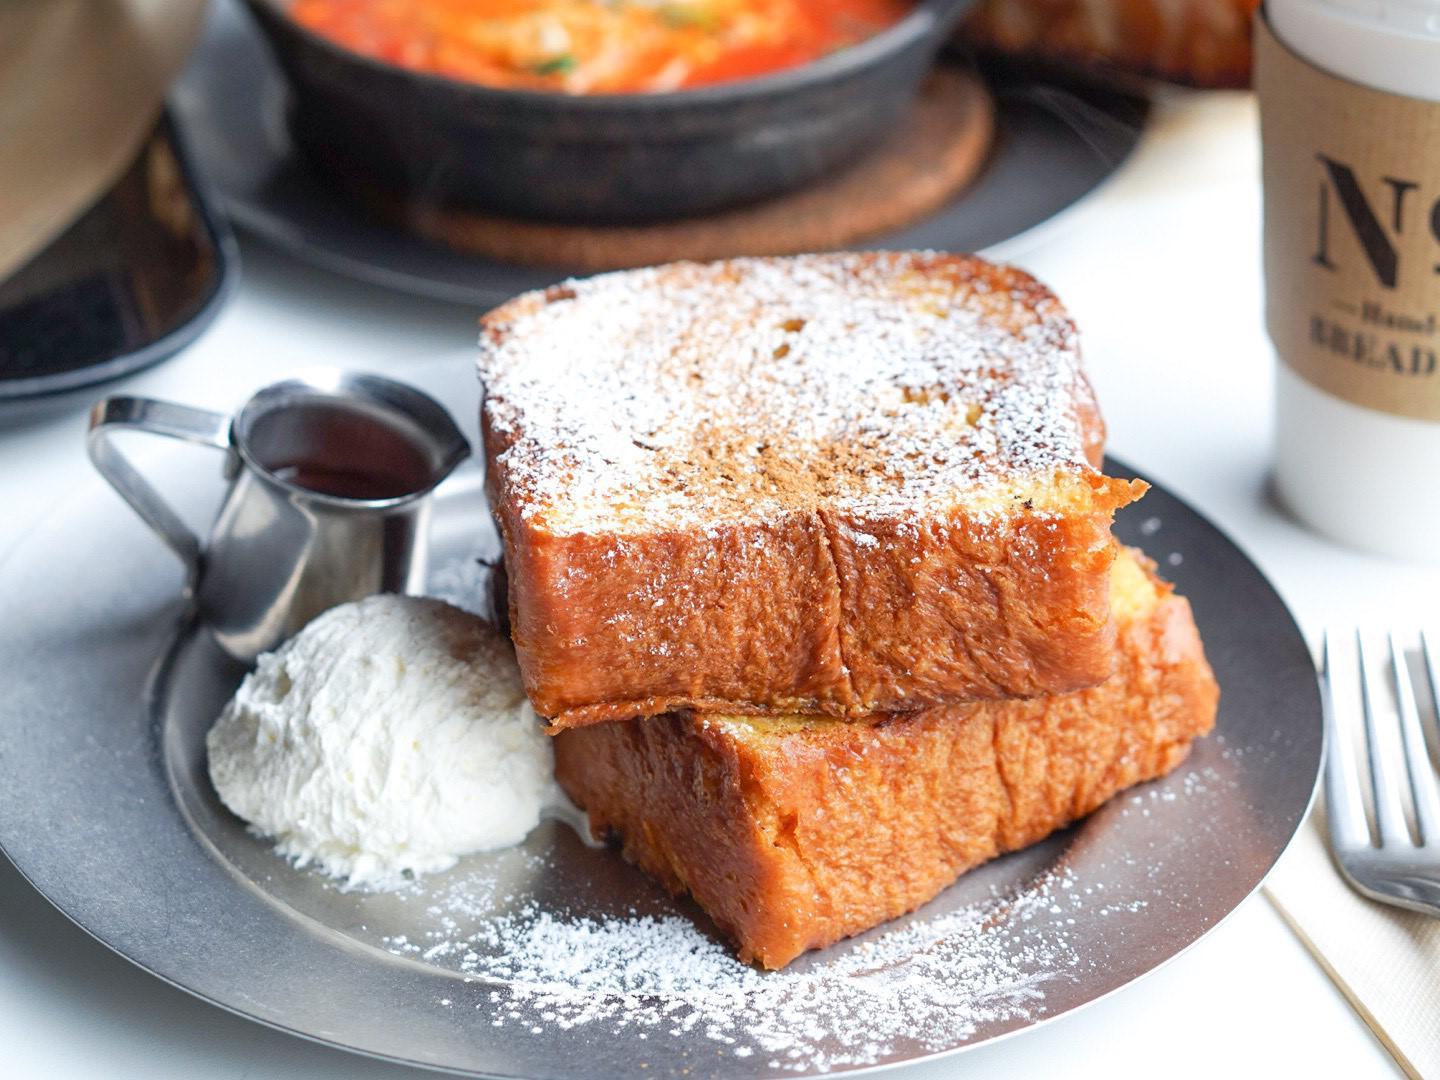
<point x="391" y="735"/>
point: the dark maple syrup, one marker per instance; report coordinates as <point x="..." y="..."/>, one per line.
<point x="342" y="452"/>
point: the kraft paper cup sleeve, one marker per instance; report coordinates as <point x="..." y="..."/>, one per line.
<point x="1352" y="233"/>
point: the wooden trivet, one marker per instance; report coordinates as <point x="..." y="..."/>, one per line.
<point x="935" y="153"/>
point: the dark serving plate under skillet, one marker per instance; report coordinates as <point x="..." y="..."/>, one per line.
<point x="602" y="159"/>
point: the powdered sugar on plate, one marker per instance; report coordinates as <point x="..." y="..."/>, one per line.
<point x="927" y="984"/>
<point x="609" y="961"/>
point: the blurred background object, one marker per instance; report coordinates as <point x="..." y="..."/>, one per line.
<point x="82" y="83"/>
<point x="936" y="180"/>
<point x="589" y="158"/>
<point x="109" y="253"/>
<point x="1203" y="43"/>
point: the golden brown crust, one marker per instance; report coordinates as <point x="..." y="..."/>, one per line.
<point x="692" y="523"/>
<point x="1012" y="613"/>
<point x="1195" y="42"/>
<point x="793" y="834"/>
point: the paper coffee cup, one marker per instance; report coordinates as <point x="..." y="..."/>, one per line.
<point x="1350" y="120"/>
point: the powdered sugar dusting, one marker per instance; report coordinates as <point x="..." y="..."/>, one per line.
<point x="870" y="383"/>
<point x="926" y="985"/>
<point x="1027" y="937"/>
<point x="556" y="953"/>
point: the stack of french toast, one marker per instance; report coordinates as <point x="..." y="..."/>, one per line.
<point x="810" y="571"/>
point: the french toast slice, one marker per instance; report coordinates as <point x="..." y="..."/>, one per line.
<point x="1193" y="42"/>
<point x="794" y="833"/>
<point x="834" y="484"/>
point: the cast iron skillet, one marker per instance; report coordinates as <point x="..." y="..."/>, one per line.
<point x="603" y="158"/>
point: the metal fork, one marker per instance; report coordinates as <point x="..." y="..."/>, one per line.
<point x="1403" y="867"/>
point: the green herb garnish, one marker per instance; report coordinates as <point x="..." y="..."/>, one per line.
<point x="556" y="65"/>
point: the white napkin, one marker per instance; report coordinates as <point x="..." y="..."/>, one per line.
<point x="81" y="85"/>
<point x="1384" y="959"/>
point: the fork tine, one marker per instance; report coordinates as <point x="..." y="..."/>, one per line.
<point x="1431" y="656"/>
<point x="1423" y="780"/>
<point x="1384" y="775"/>
<point x="1343" y="807"/>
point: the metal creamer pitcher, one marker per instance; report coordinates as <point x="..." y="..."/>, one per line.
<point x="330" y="475"/>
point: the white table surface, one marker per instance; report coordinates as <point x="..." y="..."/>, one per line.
<point x="1161" y="269"/>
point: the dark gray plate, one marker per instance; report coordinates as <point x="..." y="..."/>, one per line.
<point x="105" y="809"/>
<point x="1055" y="144"/>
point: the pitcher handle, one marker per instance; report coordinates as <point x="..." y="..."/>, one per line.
<point x="159" y="418"/>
